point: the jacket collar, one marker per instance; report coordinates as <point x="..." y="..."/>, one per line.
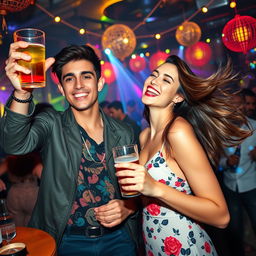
<point x="111" y="138"/>
<point x="68" y="117"/>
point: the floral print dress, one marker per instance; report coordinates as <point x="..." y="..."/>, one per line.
<point x="166" y="231"/>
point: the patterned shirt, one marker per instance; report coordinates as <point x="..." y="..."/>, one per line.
<point x="94" y="187"/>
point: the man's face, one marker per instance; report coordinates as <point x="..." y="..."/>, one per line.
<point x="250" y="106"/>
<point x="79" y="84"/>
<point x="116" y="113"/>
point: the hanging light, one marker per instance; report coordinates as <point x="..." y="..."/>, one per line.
<point x="239" y="34"/>
<point x="120" y="39"/>
<point x="198" y="54"/>
<point x="188" y="33"/>
<point x="137" y="64"/>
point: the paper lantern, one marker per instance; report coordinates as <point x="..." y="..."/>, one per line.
<point x="157" y="59"/>
<point x="108" y="72"/>
<point x="198" y="54"/>
<point x="188" y="33"/>
<point x="12" y="6"/>
<point x="120" y="39"/>
<point x="137" y="64"/>
<point x="239" y="34"/>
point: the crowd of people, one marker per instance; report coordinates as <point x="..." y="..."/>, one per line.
<point x="193" y="129"/>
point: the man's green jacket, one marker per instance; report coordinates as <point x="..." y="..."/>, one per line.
<point x="56" y="135"/>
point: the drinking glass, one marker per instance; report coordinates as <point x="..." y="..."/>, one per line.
<point x="36" y="49"/>
<point x="126" y="154"/>
<point x="7" y="224"/>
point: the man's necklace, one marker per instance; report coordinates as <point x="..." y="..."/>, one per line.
<point x="89" y="153"/>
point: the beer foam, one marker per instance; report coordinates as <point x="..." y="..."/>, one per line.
<point x="36" y="44"/>
<point x="126" y="159"/>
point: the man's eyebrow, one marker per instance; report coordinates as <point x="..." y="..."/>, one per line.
<point x="87" y="72"/>
<point x="68" y="74"/>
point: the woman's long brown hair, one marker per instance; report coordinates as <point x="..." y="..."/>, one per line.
<point x="207" y="107"/>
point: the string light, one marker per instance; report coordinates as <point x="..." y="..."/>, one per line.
<point x="144" y="45"/>
<point x="232" y="4"/>
<point x="57" y="19"/>
<point x="204" y="9"/>
<point x="157" y="36"/>
<point x="135" y="28"/>
<point x="82" y="31"/>
<point x="167" y="51"/>
<point x="102" y="62"/>
<point x="208" y="40"/>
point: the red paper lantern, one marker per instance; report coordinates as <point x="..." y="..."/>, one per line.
<point x="198" y="54"/>
<point x="137" y="64"/>
<point x="108" y="72"/>
<point x="239" y="34"/>
<point x="157" y="59"/>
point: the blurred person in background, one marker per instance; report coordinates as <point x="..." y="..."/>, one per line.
<point x="249" y="103"/>
<point x="24" y="171"/>
<point x="133" y="111"/>
<point x="239" y="179"/>
<point x="104" y="106"/>
<point x="116" y="110"/>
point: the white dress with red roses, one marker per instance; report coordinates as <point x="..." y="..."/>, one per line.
<point x="166" y="231"/>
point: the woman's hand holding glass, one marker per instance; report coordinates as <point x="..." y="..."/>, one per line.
<point x="139" y="177"/>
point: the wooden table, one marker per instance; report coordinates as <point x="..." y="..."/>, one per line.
<point x="38" y="242"/>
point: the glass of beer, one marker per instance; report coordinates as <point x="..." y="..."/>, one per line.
<point x="36" y="49"/>
<point x="127" y="154"/>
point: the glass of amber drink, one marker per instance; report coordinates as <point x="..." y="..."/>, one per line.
<point x="36" y="49"/>
<point x="126" y="154"/>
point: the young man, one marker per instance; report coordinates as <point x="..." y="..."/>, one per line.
<point x="250" y="103"/>
<point x="79" y="201"/>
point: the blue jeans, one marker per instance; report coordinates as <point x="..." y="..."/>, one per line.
<point x="113" y="244"/>
<point x="236" y="203"/>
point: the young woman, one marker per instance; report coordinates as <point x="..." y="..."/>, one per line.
<point x="191" y="122"/>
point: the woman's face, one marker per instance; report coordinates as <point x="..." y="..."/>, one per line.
<point x="160" y="88"/>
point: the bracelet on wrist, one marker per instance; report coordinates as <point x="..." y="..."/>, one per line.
<point x="22" y="101"/>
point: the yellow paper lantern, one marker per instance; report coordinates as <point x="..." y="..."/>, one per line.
<point x="120" y="39"/>
<point x="188" y="33"/>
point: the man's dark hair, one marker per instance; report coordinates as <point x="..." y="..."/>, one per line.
<point x="73" y="53"/>
<point x="116" y="105"/>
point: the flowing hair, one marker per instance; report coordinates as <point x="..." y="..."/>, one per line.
<point x="208" y="108"/>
